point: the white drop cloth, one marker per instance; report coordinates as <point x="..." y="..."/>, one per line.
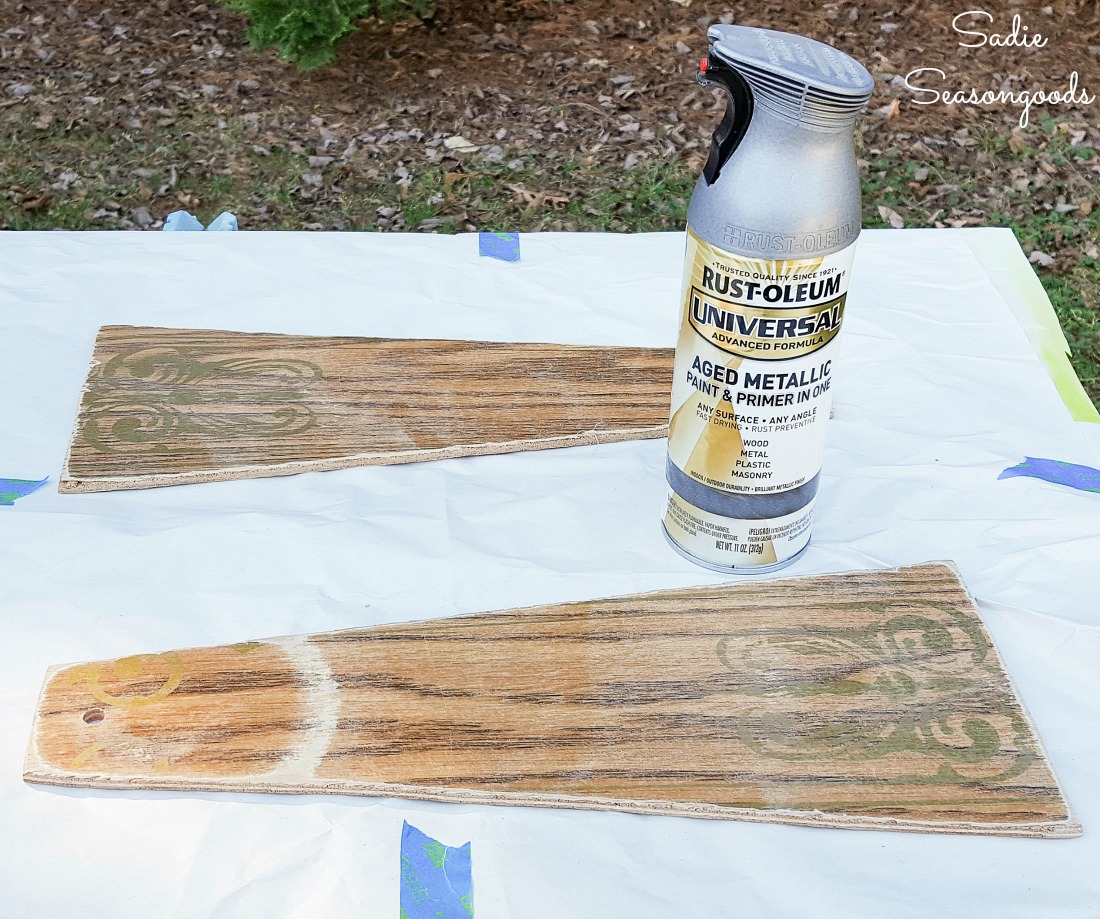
<point x="937" y="391"/>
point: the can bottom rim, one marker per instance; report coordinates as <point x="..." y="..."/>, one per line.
<point x="732" y="569"/>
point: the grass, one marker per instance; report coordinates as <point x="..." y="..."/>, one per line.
<point x="265" y="186"/>
<point x="580" y="197"/>
<point x="207" y="164"/>
<point x="1072" y="283"/>
<point x="1080" y="322"/>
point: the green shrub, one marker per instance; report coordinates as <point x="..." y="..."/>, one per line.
<point x="309" y="31"/>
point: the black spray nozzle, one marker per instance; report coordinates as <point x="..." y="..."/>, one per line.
<point x="715" y="72"/>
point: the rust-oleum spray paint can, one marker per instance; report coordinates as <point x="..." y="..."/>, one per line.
<point x="771" y="231"/>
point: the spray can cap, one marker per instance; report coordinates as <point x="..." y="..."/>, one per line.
<point x="797" y="77"/>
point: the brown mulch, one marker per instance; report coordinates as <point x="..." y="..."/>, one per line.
<point x="607" y="82"/>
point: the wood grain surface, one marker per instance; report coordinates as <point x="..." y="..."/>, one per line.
<point x="172" y="406"/>
<point x="863" y="700"/>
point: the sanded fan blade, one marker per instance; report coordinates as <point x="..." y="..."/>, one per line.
<point x="172" y="406"/>
<point x="864" y="700"/>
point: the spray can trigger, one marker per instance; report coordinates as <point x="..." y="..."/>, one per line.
<point x="713" y="71"/>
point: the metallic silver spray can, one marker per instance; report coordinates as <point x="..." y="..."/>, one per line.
<point x="771" y="232"/>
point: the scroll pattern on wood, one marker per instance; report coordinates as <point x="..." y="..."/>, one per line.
<point x="171" y="406"/>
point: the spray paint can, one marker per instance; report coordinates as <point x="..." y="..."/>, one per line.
<point x="770" y="239"/>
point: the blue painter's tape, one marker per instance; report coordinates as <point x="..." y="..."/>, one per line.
<point x="225" y="221"/>
<point x="436" y="880"/>
<point x="181" y="221"/>
<point x="1083" y="478"/>
<point x="11" y="489"/>
<point x="504" y="246"/>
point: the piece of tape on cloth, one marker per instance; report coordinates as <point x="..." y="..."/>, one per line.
<point x="436" y="880"/>
<point x="504" y="246"/>
<point x="11" y="489"/>
<point x="1083" y="478"/>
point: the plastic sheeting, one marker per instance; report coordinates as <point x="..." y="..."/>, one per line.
<point x="937" y="392"/>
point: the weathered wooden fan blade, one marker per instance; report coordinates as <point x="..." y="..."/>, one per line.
<point x="865" y="700"/>
<point x="171" y="406"/>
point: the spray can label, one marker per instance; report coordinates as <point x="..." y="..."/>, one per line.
<point x="751" y="397"/>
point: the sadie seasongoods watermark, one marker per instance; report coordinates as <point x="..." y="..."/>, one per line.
<point x="978" y="29"/>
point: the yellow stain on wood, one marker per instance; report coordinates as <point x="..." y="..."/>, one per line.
<point x="180" y="712"/>
<point x="127" y="669"/>
<point x="81" y="758"/>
